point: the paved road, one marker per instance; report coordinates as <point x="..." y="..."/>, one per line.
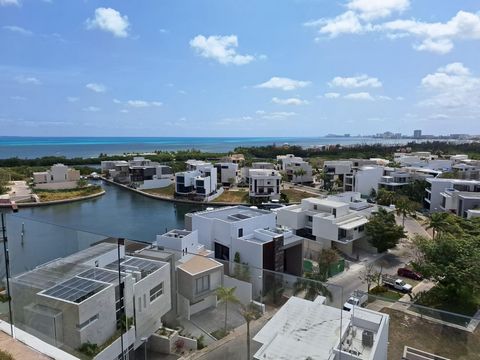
<point x="343" y="285"/>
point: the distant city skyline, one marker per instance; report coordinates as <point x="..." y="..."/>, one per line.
<point x="292" y="68"/>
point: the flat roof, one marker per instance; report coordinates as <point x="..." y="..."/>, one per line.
<point x="197" y="264"/>
<point x="302" y="329"/>
<point x="352" y="223"/>
<point x="75" y="289"/>
<point x="232" y="213"/>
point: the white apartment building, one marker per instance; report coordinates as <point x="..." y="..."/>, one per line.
<point x="297" y="170"/>
<point x="76" y="299"/>
<point x="393" y="179"/>
<point x="337" y="169"/>
<point x="264" y="183"/>
<point x="58" y="177"/>
<point x="304" y="329"/>
<point x="337" y="221"/>
<point x="227" y="173"/>
<point x="200" y="179"/>
<point x="452" y="195"/>
<point x="364" y="179"/>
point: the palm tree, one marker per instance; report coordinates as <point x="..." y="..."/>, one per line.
<point x="313" y="285"/>
<point x="438" y="222"/>
<point x="300" y="173"/>
<point x="226" y="295"/>
<point x="404" y="207"/>
<point x="249" y="313"/>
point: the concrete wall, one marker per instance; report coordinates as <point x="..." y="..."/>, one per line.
<point x="155" y="184"/>
<point x="115" y="349"/>
<point x="57" y="185"/>
<point x="243" y="289"/>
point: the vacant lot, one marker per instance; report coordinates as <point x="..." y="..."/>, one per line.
<point x="233" y="196"/>
<point x="296" y="196"/>
<point x="166" y="191"/>
<point x="429" y="336"/>
<point x="52" y="195"/>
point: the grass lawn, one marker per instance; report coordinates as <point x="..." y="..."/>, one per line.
<point x="387" y="294"/>
<point x="165" y="191"/>
<point x="233" y="196"/>
<point x="435" y="299"/>
<point x="296" y="196"/>
<point x="219" y="334"/>
<point x="425" y="335"/>
<point x="52" y="195"/>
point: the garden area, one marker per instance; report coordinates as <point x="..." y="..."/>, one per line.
<point x="66" y="194"/>
<point x="168" y="191"/>
<point x="233" y="196"/>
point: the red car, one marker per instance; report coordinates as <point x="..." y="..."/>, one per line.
<point x="408" y="273"/>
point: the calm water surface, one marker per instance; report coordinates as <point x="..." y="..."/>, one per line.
<point x="51" y="232"/>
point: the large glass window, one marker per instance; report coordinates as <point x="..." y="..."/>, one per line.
<point x="156" y="291"/>
<point x="202" y="284"/>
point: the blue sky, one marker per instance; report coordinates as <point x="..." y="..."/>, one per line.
<point x="238" y="68"/>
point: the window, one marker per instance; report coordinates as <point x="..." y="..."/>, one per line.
<point x="334" y="212"/>
<point x="156" y="291"/>
<point x="315" y="207"/>
<point x="240" y="232"/>
<point x="89" y="321"/>
<point x="309" y="218"/>
<point x="361" y="228"/>
<point x="144" y="300"/>
<point x="202" y="284"/>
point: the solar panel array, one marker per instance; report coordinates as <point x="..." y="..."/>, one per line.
<point x="100" y="275"/>
<point x="75" y="289"/>
<point x="142" y="264"/>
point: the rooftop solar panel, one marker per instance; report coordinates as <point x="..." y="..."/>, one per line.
<point x="75" y="289"/>
<point x="101" y="275"/>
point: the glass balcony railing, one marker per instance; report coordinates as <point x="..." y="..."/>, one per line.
<point x="86" y="295"/>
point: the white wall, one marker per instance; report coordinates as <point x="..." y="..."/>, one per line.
<point x="243" y="289"/>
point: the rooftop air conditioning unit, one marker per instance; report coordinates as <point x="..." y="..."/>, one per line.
<point x="367" y="338"/>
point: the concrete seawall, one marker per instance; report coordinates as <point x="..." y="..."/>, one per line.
<point x="165" y="198"/>
<point x="54" y="202"/>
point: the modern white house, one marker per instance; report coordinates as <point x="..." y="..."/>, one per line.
<point x="452" y="195"/>
<point x="337" y="169"/>
<point x="252" y="234"/>
<point x="199" y="180"/>
<point x="304" y="329"/>
<point x="296" y="169"/>
<point x="227" y="173"/>
<point x="76" y="299"/>
<point x="364" y="179"/>
<point x="264" y="184"/>
<point x="393" y="179"/>
<point x="197" y="274"/>
<point x="58" y="177"/>
<point x="332" y="222"/>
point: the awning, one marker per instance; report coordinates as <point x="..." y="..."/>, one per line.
<point x="353" y="224"/>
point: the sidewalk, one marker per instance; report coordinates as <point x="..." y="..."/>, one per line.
<point x="19" y="350"/>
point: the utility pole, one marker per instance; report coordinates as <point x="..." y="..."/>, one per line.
<point x="7" y="269"/>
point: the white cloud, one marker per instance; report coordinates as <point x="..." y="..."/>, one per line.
<point x="116" y="101"/>
<point x="289" y="101"/>
<point x="437" y="37"/>
<point x="124" y="111"/>
<point x="96" y="87"/>
<point x="283" y="84"/>
<point x="9" y="2"/>
<point x="452" y="87"/>
<point x="355" y="81"/>
<point x="346" y="23"/>
<point x="110" y="20"/>
<point x="143" y="103"/>
<point x="278" y="115"/>
<point x="28" y="80"/>
<point x="373" y="9"/>
<point x="383" y="97"/>
<point x="72" y="99"/>
<point x="17" y="29"/>
<point x="331" y="95"/>
<point x="91" y="109"/>
<point x="182" y="92"/>
<point x="359" y="96"/>
<point x="220" y="48"/>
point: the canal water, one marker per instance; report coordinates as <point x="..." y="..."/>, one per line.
<point x="40" y="234"/>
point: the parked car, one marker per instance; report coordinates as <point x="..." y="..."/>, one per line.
<point x="409" y="273"/>
<point x="397" y="284"/>
<point x="355" y="300"/>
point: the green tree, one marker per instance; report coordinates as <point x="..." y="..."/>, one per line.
<point x="383" y="231"/>
<point x="313" y="284"/>
<point x="369" y="276"/>
<point x="249" y="313"/>
<point x="441" y="222"/>
<point x="404" y="207"/>
<point x="81" y="183"/>
<point x="385" y="197"/>
<point x="226" y="295"/>
<point x="327" y="258"/>
<point x="452" y="262"/>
